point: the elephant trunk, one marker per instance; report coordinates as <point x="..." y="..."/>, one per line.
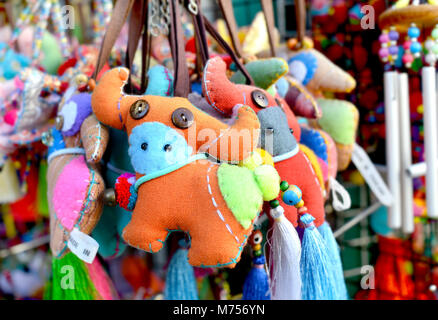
<point x="216" y="85"/>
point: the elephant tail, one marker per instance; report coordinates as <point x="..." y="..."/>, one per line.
<point x="125" y="195"/>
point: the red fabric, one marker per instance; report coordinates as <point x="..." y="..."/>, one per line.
<point x="306" y="180"/>
<point x="26" y="209"/>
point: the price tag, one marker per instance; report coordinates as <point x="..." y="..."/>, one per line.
<point x="372" y="177"/>
<point x="82" y="245"/>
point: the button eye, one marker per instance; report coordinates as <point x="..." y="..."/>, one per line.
<point x="182" y="118"/>
<point x="144" y="146"/>
<point x="167" y="148"/>
<point x="139" y="109"/>
<point x="291" y="130"/>
<point x="259" y="98"/>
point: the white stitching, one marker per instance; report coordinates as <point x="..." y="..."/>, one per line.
<point x="216" y="206"/>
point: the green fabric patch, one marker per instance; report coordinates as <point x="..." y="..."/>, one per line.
<point x="241" y="193"/>
<point x="52" y="53"/>
<point x="268" y="181"/>
<point x="338" y="120"/>
<point x="265" y="72"/>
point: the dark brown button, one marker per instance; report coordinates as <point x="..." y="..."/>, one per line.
<point x="259" y="98"/>
<point x="59" y="122"/>
<point x="139" y="109"/>
<point x="182" y="118"/>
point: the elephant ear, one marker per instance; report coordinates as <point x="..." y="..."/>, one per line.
<point x="300" y="100"/>
<point x="318" y="73"/>
<point x="340" y="120"/>
<point x="160" y="82"/>
<point x="73" y="112"/>
<point x="303" y="66"/>
<point x="94" y="138"/>
<point x="265" y="72"/>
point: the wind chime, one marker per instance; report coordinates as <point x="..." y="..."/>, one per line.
<point x="417" y="22"/>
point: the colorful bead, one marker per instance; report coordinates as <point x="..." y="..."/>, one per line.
<point x="274" y="203"/>
<point x="415" y="47"/>
<point x="384" y="38"/>
<point x="407" y="58"/>
<point x="383" y="52"/>
<point x="434" y="33"/>
<point x="292" y="196"/>
<point x="393" y="50"/>
<point x="393" y="35"/>
<point x="284" y="185"/>
<point x="258" y="253"/>
<point x="413" y="31"/>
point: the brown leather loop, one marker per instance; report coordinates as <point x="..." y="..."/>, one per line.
<point x="146" y="51"/>
<point x="300" y="14"/>
<point x="228" y="14"/>
<point x="268" y="11"/>
<point x="201" y="37"/>
<point x="118" y="18"/>
<point x="177" y="46"/>
<point x="135" y="28"/>
<point x="10" y="13"/>
<point x="136" y="25"/>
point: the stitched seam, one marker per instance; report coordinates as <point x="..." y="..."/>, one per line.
<point x="207" y="91"/>
<point x="216" y="206"/>
<point x="314" y="174"/>
<point x="88" y="199"/>
<point x="98" y="138"/>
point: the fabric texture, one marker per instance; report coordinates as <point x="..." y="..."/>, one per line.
<point x="70" y="188"/>
<point x="191" y="194"/>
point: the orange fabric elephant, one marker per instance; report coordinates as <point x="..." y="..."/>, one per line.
<point x="177" y="185"/>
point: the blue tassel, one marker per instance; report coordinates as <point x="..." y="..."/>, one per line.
<point x="315" y="265"/>
<point x="333" y="251"/>
<point x="256" y="286"/>
<point x="180" y="281"/>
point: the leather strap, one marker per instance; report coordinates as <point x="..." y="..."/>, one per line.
<point x="300" y="14"/>
<point x="9" y="13"/>
<point x="135" y="29"/>
<point x="118" y="18"/>
<point x="228" y="14"/>
<point x="177" y="46"/>
<point x="136" y="24"/>
<point x="146" y="51"/>
<point x="201" y="37"/>
<point x="268" y="11"/>
<point x="215" y="34"/>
